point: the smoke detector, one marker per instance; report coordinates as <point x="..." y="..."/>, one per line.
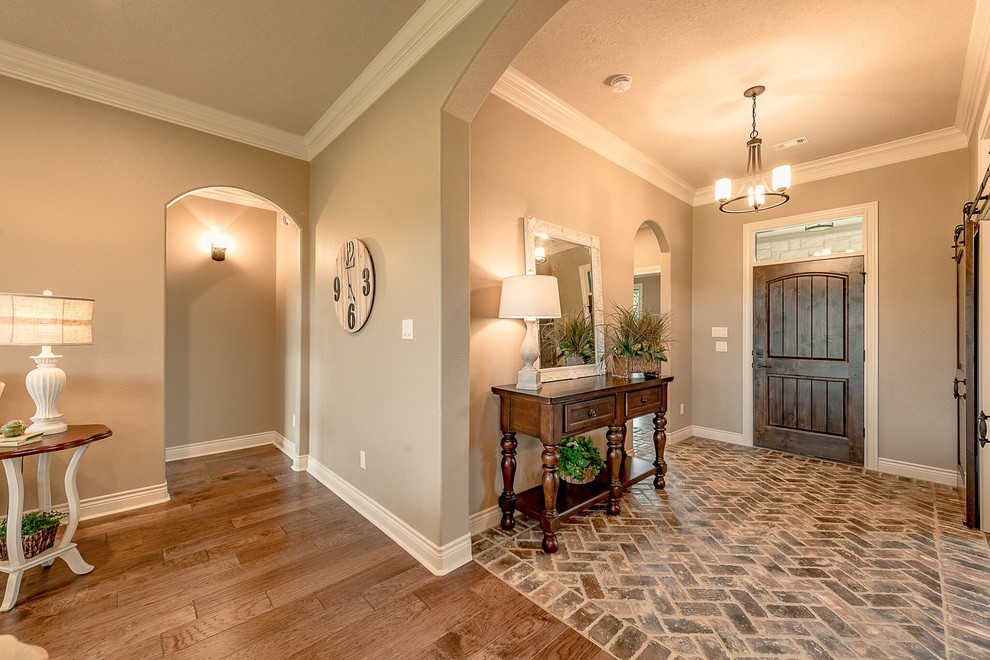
<point x="620" y="82"/>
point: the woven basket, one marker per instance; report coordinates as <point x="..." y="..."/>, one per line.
<point x="624" y="366"/>
<point x="33" y="544"/>
<point x="588" y="476"/>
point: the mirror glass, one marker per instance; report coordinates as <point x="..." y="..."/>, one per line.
<point x="571" y="346"/>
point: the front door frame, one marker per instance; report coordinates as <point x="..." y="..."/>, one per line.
<point x="870" y="213"/>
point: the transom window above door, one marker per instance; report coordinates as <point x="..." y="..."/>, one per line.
<point x="825" y="238"/>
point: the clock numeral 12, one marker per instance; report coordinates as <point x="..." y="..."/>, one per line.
<point x="336" y="289"/>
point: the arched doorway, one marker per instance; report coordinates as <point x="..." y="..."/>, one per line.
<point x="233" y="325"/>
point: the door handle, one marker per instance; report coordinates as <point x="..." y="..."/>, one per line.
<point x="983" y="429"/>
<point x="955" y="388"/>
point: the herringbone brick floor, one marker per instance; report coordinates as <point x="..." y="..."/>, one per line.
<point x="756" y="553"/>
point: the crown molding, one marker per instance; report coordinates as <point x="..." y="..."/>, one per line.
<point x="531" y="98"/>
<point x="63" y="76"/>
<point x="888" y="153"/>
<point x="422" y="32"/>
<point x="976" y="71"/>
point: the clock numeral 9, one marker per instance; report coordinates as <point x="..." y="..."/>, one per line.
<point x="351" y="320"/>
<point x="336" y="289"/>
<point x="366" y="276"/>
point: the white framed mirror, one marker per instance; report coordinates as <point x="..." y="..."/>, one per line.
<point x="573" y="345"/>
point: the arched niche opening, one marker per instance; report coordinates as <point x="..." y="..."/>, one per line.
<point x="233" y="325"/>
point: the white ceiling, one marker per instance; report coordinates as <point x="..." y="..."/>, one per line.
<point x="289" y="76"/>
<point x="846" y="74"/>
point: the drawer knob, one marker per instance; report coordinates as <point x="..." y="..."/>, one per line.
<point x="643" y="399"/>
<point x="592" y="413"/>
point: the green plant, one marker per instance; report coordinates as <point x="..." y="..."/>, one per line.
<point x="577" y="454"/>
<point x="646" y="334"/>
<point x="35" y="521"/>
<point x="574" y="335"/>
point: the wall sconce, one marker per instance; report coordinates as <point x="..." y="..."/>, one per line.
<point x="540" y="254"/>
<point x="218" y="247"/>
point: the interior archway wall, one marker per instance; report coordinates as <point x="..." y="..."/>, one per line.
<point x="499" y="165"/>
<point x="665" y="267"/>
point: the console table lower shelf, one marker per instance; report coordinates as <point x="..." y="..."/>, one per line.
<point x="574" y="498"/>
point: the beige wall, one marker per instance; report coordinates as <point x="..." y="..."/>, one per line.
<point x="85" y="188"/>
<point x="651" y="292"/>
<point x="521" y="167"/>
<point x="288" y="331"/>
<point x="220" y="318"/>
<point x="646" y="250"/>
<point x="372" y="391"/>
<point x="919" y="204"/>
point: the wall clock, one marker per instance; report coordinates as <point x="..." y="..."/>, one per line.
<point x="353" y="285"/>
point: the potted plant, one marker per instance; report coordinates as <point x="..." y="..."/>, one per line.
<point x="580" y="460"/>
<point x="38" y="530"/>
<point x="574" y="336"/>
<point x="636" y="342"/>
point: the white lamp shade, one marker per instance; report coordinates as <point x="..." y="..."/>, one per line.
<point x="780" y="178"/>
<point x="30" y="320"/>
<point x="529" y="297"/>
<point x="723" y="189"/>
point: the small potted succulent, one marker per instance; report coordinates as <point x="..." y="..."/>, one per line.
<point x="574" y="336"/>
<point x="38" y="529"/>
<point x="580" y="460"/>
<point x="636" y="342"/>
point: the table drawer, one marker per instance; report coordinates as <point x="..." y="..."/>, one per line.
<point x="641" y="402"/>
<point x="586" y="415"/>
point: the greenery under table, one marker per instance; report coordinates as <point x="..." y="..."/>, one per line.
<point x="566" y="408"/>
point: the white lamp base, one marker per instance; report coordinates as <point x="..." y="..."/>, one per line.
<point x="529" y="379"/>
<point x="529" y="376"/>
<point x="45" y="384"/>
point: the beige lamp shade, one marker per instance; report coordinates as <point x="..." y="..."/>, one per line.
<point x="38" y="320"/>
<point x="529" y="297"/>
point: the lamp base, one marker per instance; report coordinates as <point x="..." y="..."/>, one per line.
<point x="528" y="379"/>
<point x="47" y="426"/>
<point x="45" y="384"/>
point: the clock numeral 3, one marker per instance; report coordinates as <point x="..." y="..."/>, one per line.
<point x="336" y="289"/>
<point x="350" y="316"/>
<point x="366" y="277"/>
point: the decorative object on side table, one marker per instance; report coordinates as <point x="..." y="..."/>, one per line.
<point x="574" y="337"/>
<point x="38" y="529"/>
<point x="529" y="297"/>
<point x="46" y="321"/>
<point x="636" y="342"/>
<point x="580" y="460"/>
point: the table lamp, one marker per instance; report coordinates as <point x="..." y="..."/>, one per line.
<point x="529" y="297"/>
<point x="46" y="321"/>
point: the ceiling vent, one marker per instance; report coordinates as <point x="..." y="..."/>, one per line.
<point x="790" y="143"/>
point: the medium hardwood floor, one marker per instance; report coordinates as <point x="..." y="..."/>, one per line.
<point x="253" y="560"/>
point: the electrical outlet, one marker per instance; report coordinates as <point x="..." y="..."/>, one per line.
<point x="364" y="466"/>
<point x="720" y="332"/>
<point x="682" y="408"/>
<point x="721" y="347"/>
<point x="293" y="421"/>
<point x="407" y="328"/>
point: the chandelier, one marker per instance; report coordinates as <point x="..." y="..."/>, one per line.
<point x="753" y="193"/>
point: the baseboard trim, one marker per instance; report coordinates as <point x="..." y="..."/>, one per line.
<point x="680" y="434"/>
<point x="485" y="519"/>
<point x="288" y="447"/>
<point x="916" y="471"/>
<point x="440" y="560"/>
<point x="220" y="446"/>
<point x="720" y="435"/>
<point x="105" y="505"/>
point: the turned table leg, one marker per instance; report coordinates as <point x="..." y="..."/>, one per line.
<point x="614" y="439"/>
<point x="507" y="500"/>
<point x="551" y="484"/>
<point x="660" y="445"/>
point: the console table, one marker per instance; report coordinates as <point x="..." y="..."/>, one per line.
<point x="77" y="437"/>
<point x="570" y="407"/>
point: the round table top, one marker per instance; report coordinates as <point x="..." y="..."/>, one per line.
<point x="77" y="435"/>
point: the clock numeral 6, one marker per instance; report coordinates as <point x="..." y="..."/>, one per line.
<point x="336" y="289"/>
<point x="350" y="316"/>
<point x="366" y="277"/>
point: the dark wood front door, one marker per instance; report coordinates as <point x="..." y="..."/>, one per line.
<point x="808" y="358"/>
<point x="965" y="246"/>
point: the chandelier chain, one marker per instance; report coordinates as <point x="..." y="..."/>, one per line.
<point x="755" y="133"/>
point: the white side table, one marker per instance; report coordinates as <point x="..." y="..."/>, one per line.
<point x="78" y="438"/>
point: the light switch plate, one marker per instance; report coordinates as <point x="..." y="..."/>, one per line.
<point x="720" y="332"/>
<point x="407" y="328"/>
<point x="721" y="347"/>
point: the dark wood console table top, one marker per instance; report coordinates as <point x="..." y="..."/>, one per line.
<point x="566" y="408"/>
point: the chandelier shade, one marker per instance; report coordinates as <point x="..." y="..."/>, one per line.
<point x="753" y="193"/>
